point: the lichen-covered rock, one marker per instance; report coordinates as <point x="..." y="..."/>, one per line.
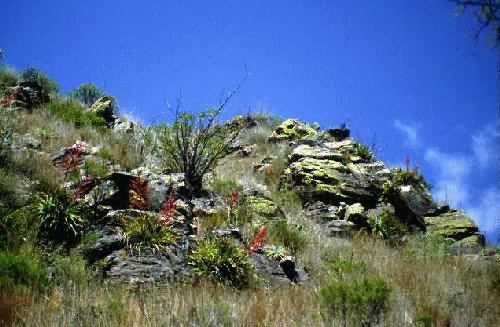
<point x="455" y="226"/>
<point x="292" y="130"/>
<point x="332" y="181"/>
<point x="105" y="107"/>
<point x="263" y="207"/>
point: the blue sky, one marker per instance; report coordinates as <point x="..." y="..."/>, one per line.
<point x="407" y="75"/>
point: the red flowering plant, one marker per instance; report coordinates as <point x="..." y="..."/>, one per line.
<point x="232" y="210"/>
<point x="71" y="159"/>
<point x="83" y="187"/>
<point x="7" y="99"/>
<point x="258" y="240"/>
<point x="168" y="210"/>
<point x="138" y="193"/>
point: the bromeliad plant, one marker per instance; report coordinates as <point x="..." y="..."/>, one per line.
<point x="147" y="231"/>
<point x="72" y="159"/>
<point x="138" y="193"/>
<point x="221" y="261"/>
<point x="61" y="220"/>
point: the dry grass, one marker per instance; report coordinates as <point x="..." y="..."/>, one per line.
<point x="447" y="290"/>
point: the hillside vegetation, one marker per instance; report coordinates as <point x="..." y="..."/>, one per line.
<point x="255" y="221"/>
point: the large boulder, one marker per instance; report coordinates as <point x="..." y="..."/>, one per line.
<point x="456" y="227"/>
<point x="292" y="130"/>
<point x="324" y="173"/>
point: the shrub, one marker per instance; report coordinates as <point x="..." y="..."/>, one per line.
<point x="8" y="78"/>
<point x="147" y="231"/>
<point x="22" y="270"/>
<point x="38" y="77"/>
<point x="290" y="236"/>
<point x="5" y="141"/>
<point x="222" y="261"/>
<point x="194" y="143"/>
<point x="87" y="94"/>
<point x="72" y="112"/>
<point x="61" y="220"/>
<point x="18" y="228"/>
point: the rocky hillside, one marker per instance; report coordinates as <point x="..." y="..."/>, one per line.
<point x="281" y="200"/>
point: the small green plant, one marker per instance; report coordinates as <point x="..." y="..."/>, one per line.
<point x="147" y="231"/>
<point x="105" y="153"/>
<point x="387" y="226"/>
<point x="95" y="169"/>
<point x="22" y="271"/>
<point x="363" y="152"/>
<point x="290" y="236"/>
<point x="221" y="261"/>
<point x="275" y="252"/>
<point x="61" y="221"/>
<point x="70" y="269"/>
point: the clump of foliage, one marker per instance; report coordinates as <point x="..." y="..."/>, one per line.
<point x="87" y="94"/>
<point x="22" y="270"/>
<point x="400" y="177"/>
<point x="275" y="252"/>
<point x="18" y="228"/>
<point x="363" y="152"/>
<point x="39" y="78"/>
<point x="95" y="168"/>
<point x="352" y="297"/>
<point x="61" y="220"/>
<point x="222" y="261"/>
<point x="73" y="112"/>
<point x="387" y="226"/>
<point x="292" y="237"/>
<point x="147" y="231"/>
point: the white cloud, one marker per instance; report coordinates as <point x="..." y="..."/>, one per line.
<point x="450" y="186"/>
<point x="408" y="130"/>
<point x="484" y="146"/>
<point x="487" y="212"/>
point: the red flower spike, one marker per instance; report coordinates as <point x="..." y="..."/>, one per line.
<point x="167" y="210"/>
<point x="258" y="240"/>
<point x="234" y="199"/>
